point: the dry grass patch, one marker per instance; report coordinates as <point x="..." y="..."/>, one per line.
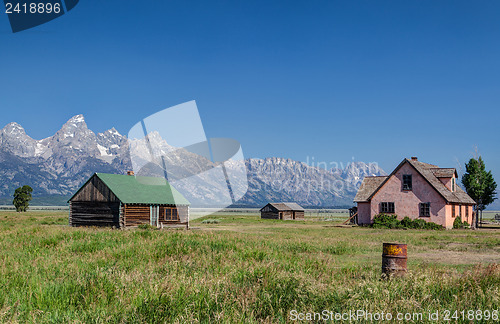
<point x="241" y="270"/>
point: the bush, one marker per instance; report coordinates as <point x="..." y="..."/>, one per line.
<point x="391" y="221"/>
<point x="458" y="224"/>
<point x="407" y="222"/>
<point x="211" y="221"/>
<point x="145" y="226"/>
<point x="386" y="221"/>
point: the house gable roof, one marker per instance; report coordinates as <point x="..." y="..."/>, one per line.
<point x="140" y="190"/>
<point x="431" y="173"/>
<point x="368" y="187"/>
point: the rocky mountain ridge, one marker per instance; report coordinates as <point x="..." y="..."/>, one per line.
<point x="59" y="164"/>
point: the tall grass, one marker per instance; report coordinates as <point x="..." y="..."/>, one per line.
<point x="243" y="270"/>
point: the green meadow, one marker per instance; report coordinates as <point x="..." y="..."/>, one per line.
<point x="238" y="269"/>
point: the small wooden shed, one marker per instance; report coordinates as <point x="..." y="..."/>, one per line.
<point x="125" y="201"/>
<point x="285" y="211"/>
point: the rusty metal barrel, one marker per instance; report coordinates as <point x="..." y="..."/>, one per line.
<point x="394" y="258"/>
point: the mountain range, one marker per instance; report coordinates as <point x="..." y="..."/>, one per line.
<point x="55" y="167"/>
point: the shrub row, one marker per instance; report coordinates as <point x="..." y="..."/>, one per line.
<point x="211" y="221"/>
<point x="391" y="221"/>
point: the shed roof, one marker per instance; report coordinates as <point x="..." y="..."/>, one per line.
<point x="286" y="206"/>
<point x="294" y="206"/>
<point x="141" y="190"/>
<point x="429" y="172"/>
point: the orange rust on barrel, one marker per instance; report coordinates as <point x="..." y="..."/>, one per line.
<point x="394" y="257"/>
<point x="394" y="249"/>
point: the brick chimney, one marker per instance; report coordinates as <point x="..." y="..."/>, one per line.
<point x="130" y="173"/>
<point x="414" y="158"/>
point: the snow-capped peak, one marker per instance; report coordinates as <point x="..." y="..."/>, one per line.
<point x="77" y="119"/>
<point x="113" y="131"/>
<point x="13" y="128"/>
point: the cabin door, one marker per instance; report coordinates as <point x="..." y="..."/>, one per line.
<point x="281" y="215"/>
<point x="154" y="213"/>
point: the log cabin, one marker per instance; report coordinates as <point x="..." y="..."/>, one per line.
<point x="124" y="201"/>
<point x="284" y="211"/>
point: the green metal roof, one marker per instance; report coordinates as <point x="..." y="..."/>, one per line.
<point x="142" y="190"/>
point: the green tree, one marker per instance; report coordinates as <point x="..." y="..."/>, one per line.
<point x="479" y="185"/>
<point x="22" y="197"/>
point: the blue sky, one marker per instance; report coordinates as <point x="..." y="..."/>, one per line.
<point x="373" y="80"/>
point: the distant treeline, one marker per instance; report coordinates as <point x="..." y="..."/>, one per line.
<point x="51" y="200"/>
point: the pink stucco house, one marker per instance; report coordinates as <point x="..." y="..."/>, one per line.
<point x="417" y="190"/>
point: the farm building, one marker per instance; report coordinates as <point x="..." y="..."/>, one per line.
<point x="285" y="211"/>
<point x="417" y="190"/>
<point x="126" y="200"/>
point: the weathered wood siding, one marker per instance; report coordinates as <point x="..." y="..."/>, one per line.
<point x="95" y="190"/>
<point x="269" y="212"/>
<point x="299" y="215"/>
<point x="90" y="213"/>
<point x="94" y="205"/>
<point x="287" y="215"/>
<point x="134" y="215"/>
<point x="269" y="215"/>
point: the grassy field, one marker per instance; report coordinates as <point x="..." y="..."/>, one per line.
<point x="242" y="269"/>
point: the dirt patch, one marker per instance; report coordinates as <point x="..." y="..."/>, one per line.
<point x="457" y="257"/>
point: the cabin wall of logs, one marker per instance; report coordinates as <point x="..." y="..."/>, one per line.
<point x="136" y="214"/>
<point x="298" y="214"/>
<point x="269" y="215"/>
<point x="285" y="215"/>
<point x="121" y="216"/>
<point x="94" y="214"/>
<point x="96" y="205"/>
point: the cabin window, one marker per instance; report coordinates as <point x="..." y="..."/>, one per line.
<point x="453" y="211"/>
<point x="407" y="183"/>
<point x="171" y="214"/>
<point x="467" y="212"/>
<point x="425" y="209"/>
<point x="460" y="211"/>
<point x="387" y="207"/>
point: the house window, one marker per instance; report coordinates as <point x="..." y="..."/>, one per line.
<point x="171" y="214"/>
<point x="460" y="211"/>
<point x="425" y="209"/>
<point x="453" y="211"/>
<point x="387" y="207"/>
<point x="407" y="183"/>
<point x="467" y="212"/>
<point x="452" y="184"/>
